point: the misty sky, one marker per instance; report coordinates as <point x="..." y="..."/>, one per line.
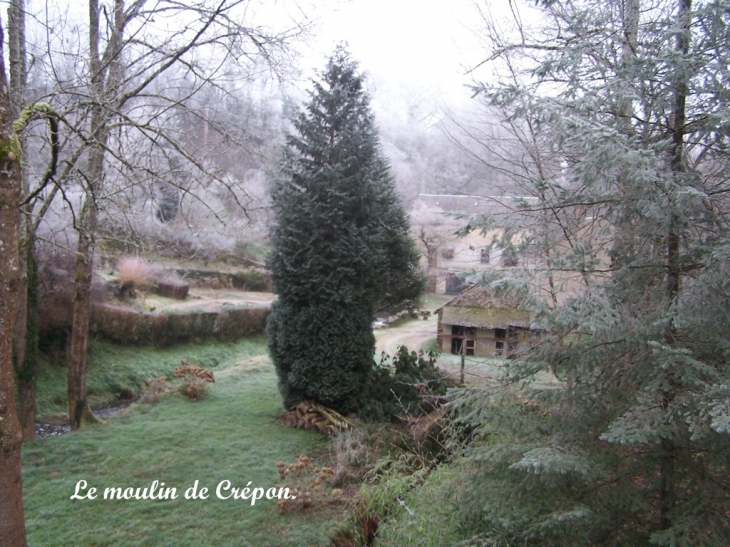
<point x="411" y="45"/>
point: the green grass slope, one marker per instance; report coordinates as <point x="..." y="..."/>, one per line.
<point x="232" y="434"/>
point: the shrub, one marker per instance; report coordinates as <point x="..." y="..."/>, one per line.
<point x="251" y="280"/>
<point x="132" y="272"/>
<point x="411" y="386"/>
<point x="195" y="379"/>
<point x="132" y="269"/>
<point x="193" y="387"/>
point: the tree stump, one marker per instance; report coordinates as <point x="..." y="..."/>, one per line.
<point x="173" y="289"/>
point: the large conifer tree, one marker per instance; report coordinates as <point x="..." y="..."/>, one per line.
<point x="340" y="244"/>
<point x="629" y="100"/>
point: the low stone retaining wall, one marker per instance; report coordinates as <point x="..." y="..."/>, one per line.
<point x="247" y="280"/>
<point x="126" y="326"/>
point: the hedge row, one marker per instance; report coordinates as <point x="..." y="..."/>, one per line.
<point x="126" y="326"/>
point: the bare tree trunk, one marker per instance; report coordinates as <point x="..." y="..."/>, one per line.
<point x="103" y="81"/>
<point x="26" y="353"/>
<point x="78" y="406"/>
<point x="26" y="336"/>
<point x="12" y="520"/>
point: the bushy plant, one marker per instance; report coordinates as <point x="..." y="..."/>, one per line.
<point x="132" y="272"/>
<point x="132" y="269"/>
<point x="254" y="280"/>
<point x="195" y="379"/>
<point x="409" y="386"/>
<point x="193" y="387"/>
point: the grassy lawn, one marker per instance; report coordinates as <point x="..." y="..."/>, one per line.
<point x="232" y="434"/>
<point x="113" y="368"/>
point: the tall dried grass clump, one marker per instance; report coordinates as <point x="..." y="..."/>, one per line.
<point x="155" y="389"/>
<point x="132" y="270"/>
<point x="353" y="455"/>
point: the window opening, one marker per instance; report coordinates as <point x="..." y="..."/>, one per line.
<point x="499" y="348"/>
<point x="457" y="338"/>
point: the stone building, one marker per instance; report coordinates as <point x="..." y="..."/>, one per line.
<point x="447" y="255"/>
<point x="479" y="323"/>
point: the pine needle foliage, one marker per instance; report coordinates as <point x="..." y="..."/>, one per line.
<point x="340" y="244"/>
<point x="628" y="106"/>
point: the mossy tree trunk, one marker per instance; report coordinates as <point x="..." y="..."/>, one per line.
<point x="26" y="345"/>
<point x="12" y="521"/>
<point x="26" y="336"/>
<point x="78" y="407"/>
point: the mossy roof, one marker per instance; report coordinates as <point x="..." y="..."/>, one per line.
<point x="479" y="296"/>
<point x="485" y="318"/>
<point x="479" y="307"/>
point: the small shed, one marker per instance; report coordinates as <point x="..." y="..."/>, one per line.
<point x="478" y="322"/>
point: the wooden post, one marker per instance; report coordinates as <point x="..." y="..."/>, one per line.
<point x="463" y="343"/>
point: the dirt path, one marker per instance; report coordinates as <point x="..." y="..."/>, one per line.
<point x="413" y="335"/>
